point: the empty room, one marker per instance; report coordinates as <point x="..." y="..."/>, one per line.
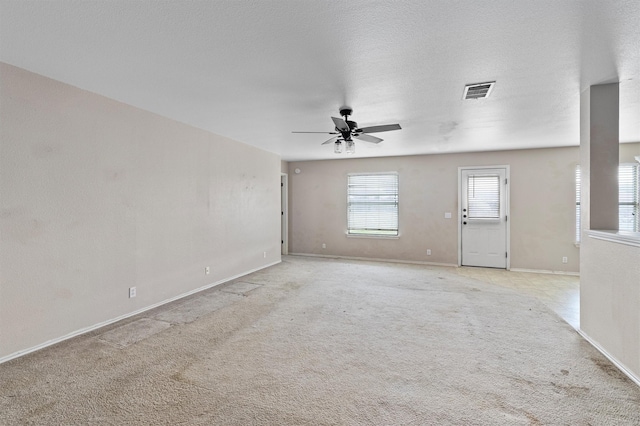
<point x="322" y="212"/>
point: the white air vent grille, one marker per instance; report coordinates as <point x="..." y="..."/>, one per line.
<point x="478" y="90"/>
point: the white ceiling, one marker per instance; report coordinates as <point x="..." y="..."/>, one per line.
<point x="254" y="70"/>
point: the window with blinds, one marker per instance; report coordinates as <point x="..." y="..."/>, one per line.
<point x="628" y="198"/>
<point x="629" y="192"/>
<point x="372" y="204"/>
<point x="483" y="197"/>
<point x="578" y="203"/>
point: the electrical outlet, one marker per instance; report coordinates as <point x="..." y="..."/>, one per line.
<point x="565" y="259"/>
<point x="324" y="245"/>
<point x="264" y="254"/>
<point x="132" y="292"/>
<point x="207" y="270"/>
<point x="428" y="252"/>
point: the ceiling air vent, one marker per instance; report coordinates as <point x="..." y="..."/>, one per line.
<point x="478" y="91"/>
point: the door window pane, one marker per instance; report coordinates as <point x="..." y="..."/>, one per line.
<point x="483" y="196"/>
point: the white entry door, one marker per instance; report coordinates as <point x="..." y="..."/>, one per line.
<point x="483" y="217"/>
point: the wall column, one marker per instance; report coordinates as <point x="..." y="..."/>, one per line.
<point x="609" y="267"/>
<point x="599" y="153"/>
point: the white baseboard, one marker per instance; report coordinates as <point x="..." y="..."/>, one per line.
<point x="611" y="358"/>
<point x="417" y="262"/>
<point x="545" y="271"/>
<point x="121" y="317"/>
<point x="375" y="259"/>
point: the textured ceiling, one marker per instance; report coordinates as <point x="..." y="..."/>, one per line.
<point x="256" y="70"/>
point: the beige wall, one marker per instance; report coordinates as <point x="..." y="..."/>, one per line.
<point x="98" y="196"/>
<point x="542" y="206"/>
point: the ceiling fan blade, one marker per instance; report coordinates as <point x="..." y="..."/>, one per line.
<point x="368" y="138"/>
<point x="324" y="133"/>
<point x="341" y="124"/>
<point x="332" y="140"/>
<point x="382" y="128"/>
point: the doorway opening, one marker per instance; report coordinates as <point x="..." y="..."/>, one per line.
<point x="284" y="215"/>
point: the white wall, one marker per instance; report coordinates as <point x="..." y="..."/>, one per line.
<point x="98" y="196"/>
<point x="610" y="299"/>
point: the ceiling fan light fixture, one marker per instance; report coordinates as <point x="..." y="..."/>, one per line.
<point x="346" y="129"/>
<point x="351" y="147"/>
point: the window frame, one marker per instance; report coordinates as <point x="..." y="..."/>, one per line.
<point x="373" y="233"/>
<point x="635" y="203"/>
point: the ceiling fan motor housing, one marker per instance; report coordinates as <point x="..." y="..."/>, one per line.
<point x="353" y="129"/>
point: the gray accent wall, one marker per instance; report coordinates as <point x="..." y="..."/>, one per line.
<point x="98" y="196"/>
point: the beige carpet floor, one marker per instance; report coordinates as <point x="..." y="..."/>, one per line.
<point x="319" y="341"/>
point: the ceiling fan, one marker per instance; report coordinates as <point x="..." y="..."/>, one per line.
<point x="346" y="130"/>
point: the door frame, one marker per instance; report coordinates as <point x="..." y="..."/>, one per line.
<point x="284" y="213"/>
<point x="507" y="198"/>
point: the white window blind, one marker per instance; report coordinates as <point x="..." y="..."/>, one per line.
<point x="483" y="196"/>
<point x="628" y="198"/>
<point x="372" y="204"/>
